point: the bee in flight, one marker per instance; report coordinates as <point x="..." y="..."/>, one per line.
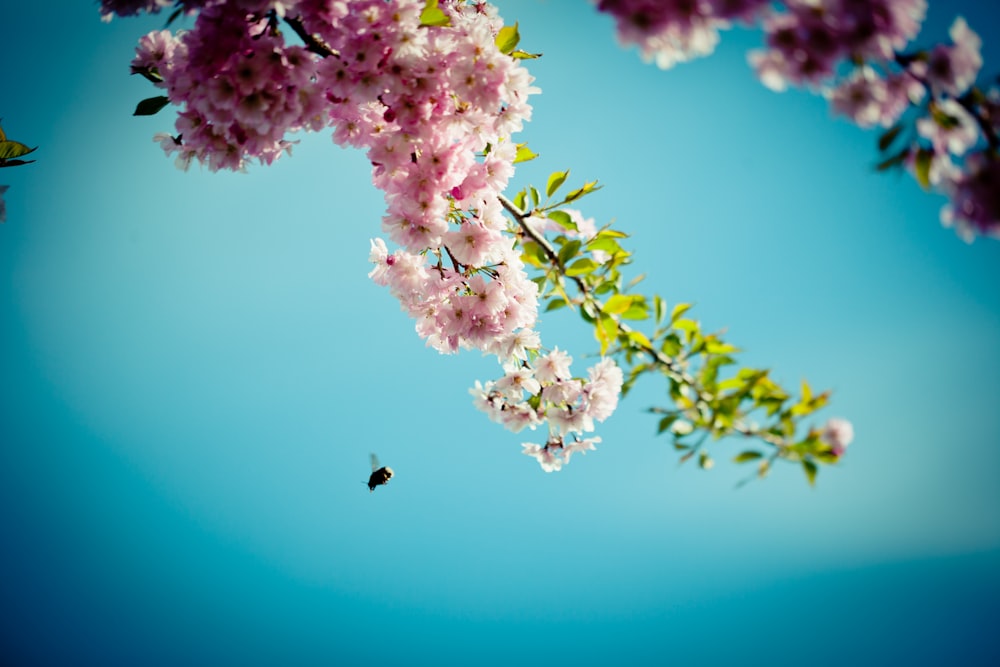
<point x="380" y="475"/>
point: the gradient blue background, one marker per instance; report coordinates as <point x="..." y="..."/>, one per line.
<point x="194" y="368"/>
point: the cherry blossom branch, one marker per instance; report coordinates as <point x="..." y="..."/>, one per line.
<point x="673" y="368"/>
<point x="312" y="42"/>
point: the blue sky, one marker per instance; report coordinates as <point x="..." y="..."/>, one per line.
<point x="195" y="368"/>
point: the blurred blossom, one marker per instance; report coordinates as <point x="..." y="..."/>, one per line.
<point x="975" y="198"/>
<point x="838" y="433"/>
<point x="953" y="69"/>
<point x="950" y="128"/>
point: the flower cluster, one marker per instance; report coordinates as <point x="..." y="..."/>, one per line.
<point x="838" y="434"/>
<point x="544" y="390"/>
<point x="432" y="102"/>
<point x="853" y="51"/>
<point x="673" y="31"/>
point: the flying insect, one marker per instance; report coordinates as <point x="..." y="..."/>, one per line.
<point x="380" y="474"/>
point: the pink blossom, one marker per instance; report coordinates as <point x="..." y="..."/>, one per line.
<point x="953" y="69"/>
<point x="838" y="433"/>
<point x="975" y="198"/>
<point x="545" y="456"/>
<point x="861" y="97"/>
<point x="553" y="366"/>
<point x="950" y="128"/>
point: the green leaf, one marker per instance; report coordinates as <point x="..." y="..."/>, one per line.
<point x="556" y="179"/>
<point x="685" y="324"/>
<point x="889" y="136"/>
<point x="810" y="470"/>
<point x="151" y="105"/>
<point x="519" y="199"/>
<point x="893" y="161"/>
<point x="605" y="243"/>
<point x="679" y="310"/>
<point x="718" y="347"/>
<point x="507" y="38"/>
<point x="639" y="339"/>
<point x="579" y="192"/>
<point x="555" y="304"/>
<point x="524" y="55"/>
<point x="524" y="154"/>
<point x="659" y="307"/>
<point x="535" y="199"/>
<point x="922" y="168"/>
<point x="637" y="311"/>
<point x="617" y="304"/>
<point x="14" y="149"/>
<point x="581" y="267"/>
<point x="433" y="16"/>
<point x="569" y="251"/>
<point x="665" y="424"/>
<point x="605" y="330"/>
<point x="671" y="345"/>
<point x="563" y="220"/>
<point x="748" y="455"/>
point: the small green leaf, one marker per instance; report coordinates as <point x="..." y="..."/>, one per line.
<point x="605" y="330"/>
<point x="14" y="149"/>
<point x="617" y="304"/>
<point x="748" y="455"/>
<point x="556" y="179"/>
<point x="579" y="192"/>
<point x="524" y="154"/>
<point x="555" y="304"/>
<point x="889" y="136"/>
<point x="679" y="310"/>
<point x="524" y="55"/>
<point x="892" y="161"/>
<point x="433" y="16"/>
<point x="151" y="105"/>
<point x="665" y="424"/>
<point x="810" y="470"/>
<point x="718" y="347"/>
<point x="637" y="311"/>
<point x="659" y="307"/>
<point x="519" y="199"/>
<point x="507" y="38"/>
<point x="581" y="267"/>
<point x="535" y="199"/>
<point x="569" y="251"/>
<point x="922" y="168"/>
<point x="639" y="339"/>
<point x="684" y="324"/>
<point x="563" y="220"/>
<point x="604" y="243"/>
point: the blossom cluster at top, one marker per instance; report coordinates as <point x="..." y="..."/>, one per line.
<point x="853" y="50"/>
<point x="434" y="105"/>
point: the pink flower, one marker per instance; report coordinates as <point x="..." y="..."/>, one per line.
<point x="553" y="366"/>
<point x="953" y="69"/>
<point x="975" y="205"/>
<point x="950" y="128"/>
<point x="838" y="433"/>
<point x="545" y="456"/>
<point x="861" y="97"/>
